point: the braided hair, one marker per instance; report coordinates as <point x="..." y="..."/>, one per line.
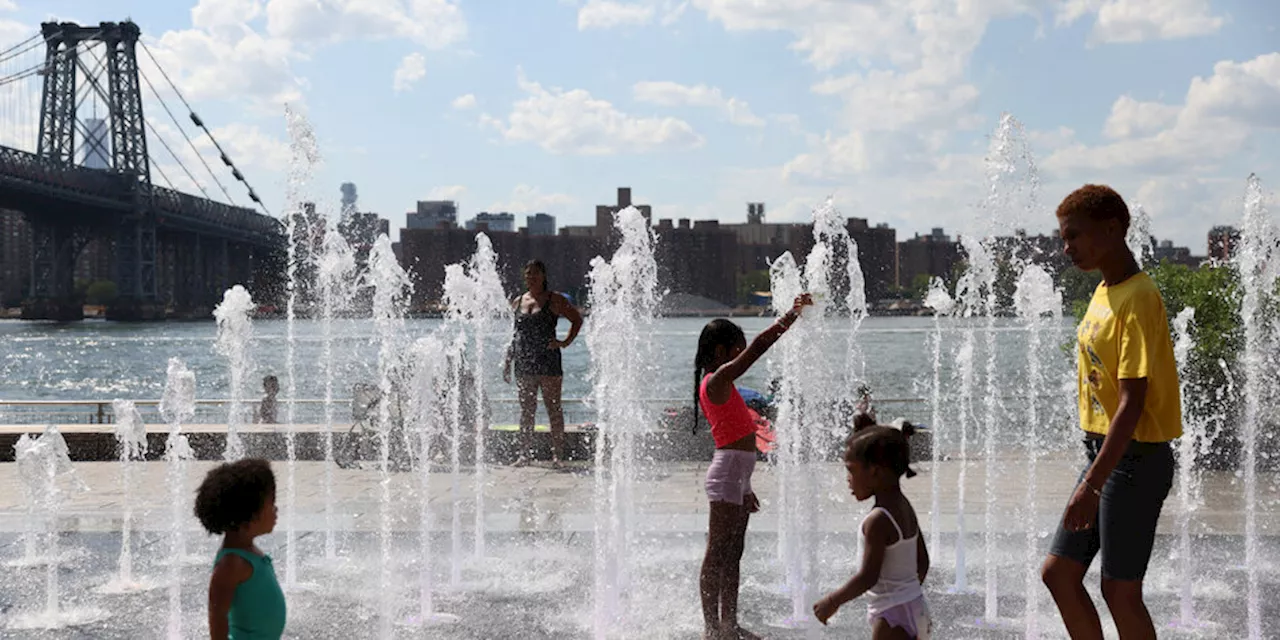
<point x="718" y="333"/>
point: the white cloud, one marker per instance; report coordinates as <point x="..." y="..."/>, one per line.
<point x="221" y="66"/>
<point x="464" y="102"/>
<point x="672" y="12"/>
<point x="8" y="5"/>
<point x="1042" y="140"/>
<point x="1218" y="117"/>
<point x="249" y="147"/>
<point x="529" y="199"/>
<point x="1131" y="117"/>
<point x="910" y="93"/>
<point x="605" y="14"/>
<point x="1122" y="21"/>
<point x="672" y="94"/>
<point x="451" y="192"/>
<point x="892" y="100"/>
<point x="435" y="24"/>
<point x="574" y="122"/>
<point x="413" y="68"/>
<point x="214" y="14"/>
<point x="13" y="32"/>
<point x="835" y="31"/>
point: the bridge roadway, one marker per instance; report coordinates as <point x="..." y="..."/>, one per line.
<point x="41" y="186"/>
<point x="170" y="251"/>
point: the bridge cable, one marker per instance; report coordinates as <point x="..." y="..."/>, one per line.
<point x="184" y="135"/>
<point x="200" y="123"/>
<point x="44" y="61"/>
<point x="164" y="176"/>
<point x="36" y="69"/>
<point x="175" y="158"/>
<point x="9" y="53"/>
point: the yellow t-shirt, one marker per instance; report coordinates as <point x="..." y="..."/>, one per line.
<point x="1124" y="336"/>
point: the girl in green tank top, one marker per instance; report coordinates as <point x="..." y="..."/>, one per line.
<point x="237" y="500"/>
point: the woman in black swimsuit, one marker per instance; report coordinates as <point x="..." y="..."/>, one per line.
<point x="535" y="351"/>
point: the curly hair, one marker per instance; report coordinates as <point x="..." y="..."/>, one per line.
<point x="1098" y="202"/>
<point x="233" y="493"/>
<point x="880" y="445"/>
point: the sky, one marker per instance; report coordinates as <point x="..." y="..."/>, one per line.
<point x="889" y="107"/>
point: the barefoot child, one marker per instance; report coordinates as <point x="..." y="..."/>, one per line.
<point x="723" y="357"/>
<point x="238" y="501"/>
<point x="894" y="559"/>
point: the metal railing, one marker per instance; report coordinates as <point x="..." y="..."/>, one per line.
<point x="307" y="410"/>
<point x="29" y="167"/>
<point x="240" y="222"/>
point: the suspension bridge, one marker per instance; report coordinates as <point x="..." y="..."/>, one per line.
<point x="79" y="161"/>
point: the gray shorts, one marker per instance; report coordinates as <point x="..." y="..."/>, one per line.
<point x="1128" y="512"/>
<point x="729" y="476"/>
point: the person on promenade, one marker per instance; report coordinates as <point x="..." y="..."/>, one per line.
<point x="268" y="407"/>
<point x="535" y="352"/>
<point x="894" y="558"/>
<point x="237" y="501"/>
<point x="1130" y="409"/>
<point x="723" y="356"/>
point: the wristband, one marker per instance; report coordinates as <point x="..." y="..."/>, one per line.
<point x="1096" y="492"/>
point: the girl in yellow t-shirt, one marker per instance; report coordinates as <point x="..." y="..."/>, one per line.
<point x="1130" y="409"/>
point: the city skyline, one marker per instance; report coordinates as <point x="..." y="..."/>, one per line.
<point x="708" y="104"/>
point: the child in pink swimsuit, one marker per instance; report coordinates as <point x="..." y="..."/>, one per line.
<point x="894" y="559"/>
<point x="723" y="357"/>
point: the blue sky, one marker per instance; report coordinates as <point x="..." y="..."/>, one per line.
<point x="705" y="105"/>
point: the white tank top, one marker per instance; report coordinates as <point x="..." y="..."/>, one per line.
<point x="899" y="581"/>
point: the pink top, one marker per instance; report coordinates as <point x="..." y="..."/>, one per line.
<point x="730" y="421"/>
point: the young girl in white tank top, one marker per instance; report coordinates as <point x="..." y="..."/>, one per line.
<point x="894" y="559"/>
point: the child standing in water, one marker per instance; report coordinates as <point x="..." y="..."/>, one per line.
<point x="894" y="558"/>
<point x="237" y="500"/>
<point x="723" y="357"/>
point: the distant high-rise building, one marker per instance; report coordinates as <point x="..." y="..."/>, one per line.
<point x="97" y="144"/>
<point x="1223" y="240"/>
<point x="348" y="196"/>
<point x="433" y="214"/>
<point x="755" y="213"/>
<point x="541" y="224"/>
<point x="497" y="222"/>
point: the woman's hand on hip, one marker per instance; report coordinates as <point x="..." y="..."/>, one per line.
<point x="558" y="344"/>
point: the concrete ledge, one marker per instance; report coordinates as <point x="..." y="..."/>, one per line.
<point x="97" y="442"/>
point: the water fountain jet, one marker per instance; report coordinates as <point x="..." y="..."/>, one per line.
<point x="235" y="332"/>
<point x="624" y="298"/>
<point x="43" y="462"/>
<point x="391" y="287"/>
<point x="177" y="406"/>
<point x="1259" y="264"/>
<point x="131" y="438"/>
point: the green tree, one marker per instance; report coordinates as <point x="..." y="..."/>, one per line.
<point x="752" y="281"/>
<point x="1077" y="289"/>
<point x="919" y="287"/>
<point x="101" y="292"/>
<point x="1214" y="293"/>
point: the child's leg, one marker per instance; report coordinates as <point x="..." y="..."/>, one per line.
<point x="732" y="576"/>
<point x="881" y="630"/>
<point x="711" y="582"/>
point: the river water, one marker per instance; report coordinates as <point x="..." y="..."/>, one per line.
<point x="101" y="361"/>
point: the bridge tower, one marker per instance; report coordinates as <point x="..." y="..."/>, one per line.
<point x="59" y="239"/>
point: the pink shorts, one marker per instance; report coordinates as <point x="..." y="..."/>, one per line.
<point x="729" y="476"/>
<point x="912" y="617"/>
